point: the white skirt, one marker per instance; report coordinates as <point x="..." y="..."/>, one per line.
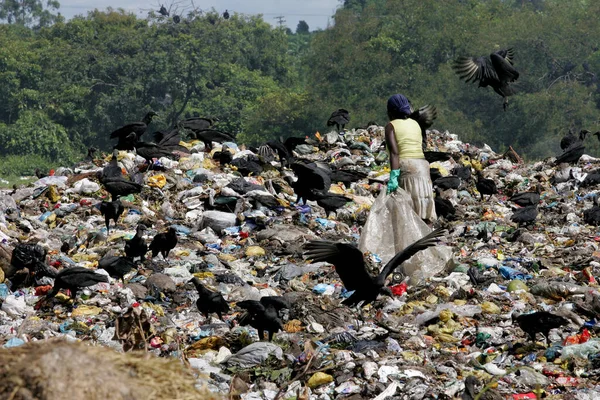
<point x="415" y="179"/>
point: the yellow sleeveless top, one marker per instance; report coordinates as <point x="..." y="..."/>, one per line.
<point x="408" y="138"/>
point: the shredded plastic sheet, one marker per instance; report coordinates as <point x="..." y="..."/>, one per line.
<point x="391" y="227"/>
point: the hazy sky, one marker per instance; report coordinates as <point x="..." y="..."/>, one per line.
<point x="316" y="13"/>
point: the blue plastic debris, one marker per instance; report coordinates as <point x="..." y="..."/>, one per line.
<point x="14" y="342"/>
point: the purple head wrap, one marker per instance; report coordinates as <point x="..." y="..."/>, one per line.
<point x="398" y="106"/>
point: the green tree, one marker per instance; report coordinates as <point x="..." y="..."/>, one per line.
<point x="29" y="12"/>
<point x="302" y="28"/>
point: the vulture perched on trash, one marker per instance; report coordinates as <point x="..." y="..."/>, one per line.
<point x="263" y="315"/>
<point x="527" y="198"/>
<point x="310" y="177"/>
<point x="539" y="322"/>
<point x="117" y="267"/>
<point x="339" y="118"/>
<point x="485" y="186"/>
<point x="210" y="302"/>
<point x="568" y="140"/>
<point x="130" y="134"/>
<point x="350" y="265"/>
<point x="111" y="210"/>
<point x="496" y="71"/>
<point x="73" y="279"/>
<point x="163" y="243"/>
<point x="137" y="247"/>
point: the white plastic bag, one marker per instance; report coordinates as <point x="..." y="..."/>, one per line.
<point x="391" y="227"/>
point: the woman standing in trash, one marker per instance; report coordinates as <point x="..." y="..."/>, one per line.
<point x="408" y="166"/>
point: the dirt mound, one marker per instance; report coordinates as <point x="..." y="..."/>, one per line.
<point x="56" y="369"/>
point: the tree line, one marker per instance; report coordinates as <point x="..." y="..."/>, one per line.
<point x="65" y="85"/>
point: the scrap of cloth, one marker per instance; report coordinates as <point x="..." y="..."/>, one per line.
<point x="399" y="105"/>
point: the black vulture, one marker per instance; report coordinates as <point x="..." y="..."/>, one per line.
<point x="292" y="142"/>
<point x="540" y="321"/>
<point x="224" y="156"/>
<point x="124" y="134"/>
<point x="33" y="257"/>
<point x="591" y="216"/>
<point x="463" y="173"/>
<point x="527" y="198"/>
<point x="592" y="178"/>
<point x="525" y="215"/>
<point x="120" y="187"/>
<point x="433" y="156"/>
<point x="226" y="14"/>
<point x="597" y="134"/>
<point x="73" y="279"/>
<point x="339" y="118"/>
<point x="117" y="267"/>
<point x="263" y="315"/>
<point x="572" y="154"/>
<point x="424" y="117"/>
<point x="176" y="19"/>
<point x="309" y="178"/>
<point x="111" y="210"/>
<point x="434" y="174"/>
<point x="196" y="123"/>
<point x="447" y="182"/>
<point x="207" y="136"/>
<point x="137" y="247"/>
<point x="166" y="144"/>
<point x="249" y="165"/>
<point x="568" y="140"/>
<point x="350" y="265"/>
<point x="163" y="243"/>
<point x="112" y="170"/>
<point x="331" y="202"/>
<point x="485" y="186"/>
<point x="347" y="176"/>
<point x="444" y="208"/>
<point x="209" y="302"/>
<point x="496" y="71"/>
<point x="163" y="11"/>
<point x="282" y="151"/>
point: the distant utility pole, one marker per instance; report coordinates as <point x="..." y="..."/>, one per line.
<point x="280" y="20"/>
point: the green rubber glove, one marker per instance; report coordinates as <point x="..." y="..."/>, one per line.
<point x="392" y="184"/>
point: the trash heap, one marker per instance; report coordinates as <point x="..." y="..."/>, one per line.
<point x="241" y="233"/>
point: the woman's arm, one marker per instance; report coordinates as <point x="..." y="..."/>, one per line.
<point x="390" y="139"/>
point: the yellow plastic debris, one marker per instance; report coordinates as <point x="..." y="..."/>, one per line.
<point x="52" y="194"/>
<point x="157" y="181"/>
<point x="335" y="188"/>
<point x="158" y="310"/>
<point x="255" y="251"/>
<point x="432" y="299"/>
<point x="293" y="326"/>
<point x="318" y="379"/>
<point x="445" y="315"/>
<point x="79" y="257"/>
<point x="207" y="163"/>
<point x="203" y="275"/>
<point x="445" y="338"/>
<point x="517" y="284"/>
<point x="227" y="257"/>
<point x="84" y="310"/>
<point x="490" y="308"/>
<point x="207" y="343"/>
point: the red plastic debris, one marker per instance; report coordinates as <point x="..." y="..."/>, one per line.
<point x="522" y="396"/>
<point x="85" y="202"/>
<point x="42" y="290"/>
<point x="399" y="290"/>
<point x="577" y="339"/>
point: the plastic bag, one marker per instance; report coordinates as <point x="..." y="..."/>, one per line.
<point x="391" y="227"/>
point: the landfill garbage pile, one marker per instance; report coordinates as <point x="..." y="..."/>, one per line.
<point x="204" y="262"/>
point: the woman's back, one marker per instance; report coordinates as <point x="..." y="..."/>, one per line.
<point x="408" y="137"/>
